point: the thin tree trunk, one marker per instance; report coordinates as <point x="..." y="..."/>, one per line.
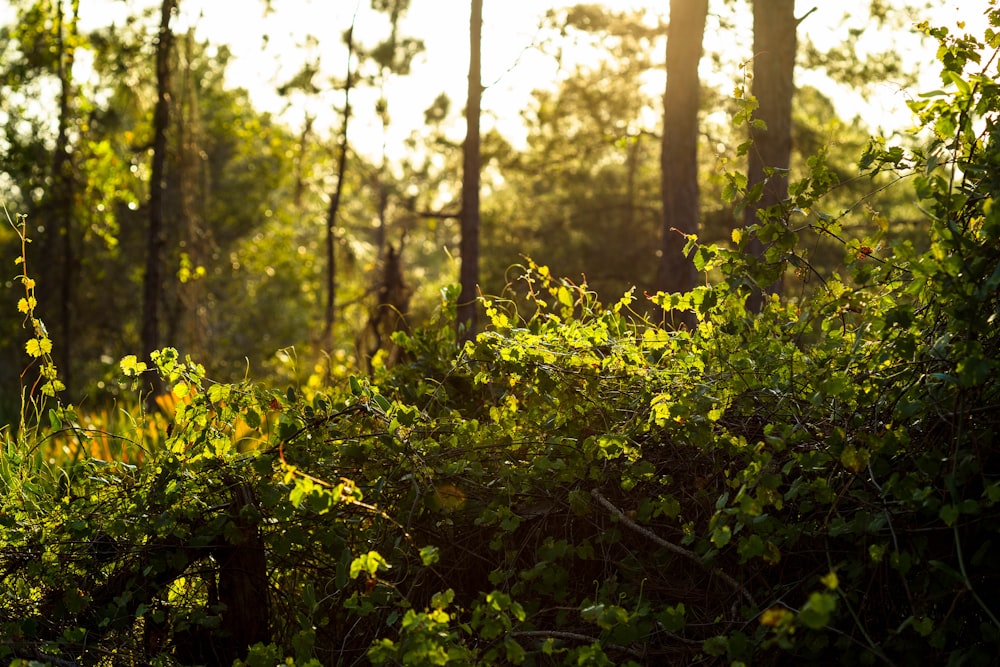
<point x="191" y="321"/>
<point x="469" y="247"/>
<point x="679" y="155"/>
<point x="64" y="186"/>
<point x="152" y="282"/>
<point x="331" y="217"/>
<point x="300" y="161"/>
<point x="774" y="45"/>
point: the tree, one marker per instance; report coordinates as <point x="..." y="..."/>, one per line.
<point x="774" y="47"/>
<point x="156" y="239"/>
<point x="64" y="182"/>
<point x="326" y="339"/>
<point x="679" y="155"/>
<point x="469" y="248"/>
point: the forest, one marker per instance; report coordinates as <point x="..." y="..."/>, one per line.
<point x="700" y="368"/>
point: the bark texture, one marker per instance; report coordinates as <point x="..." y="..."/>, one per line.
<point x="774" y="46"/>
<point x="679" y="154"/>
<point x="469" y="248"/>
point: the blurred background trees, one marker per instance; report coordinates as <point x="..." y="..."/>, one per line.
<point x="247" y="233"/>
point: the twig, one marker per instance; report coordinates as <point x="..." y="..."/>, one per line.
<point x="670" y="546"/>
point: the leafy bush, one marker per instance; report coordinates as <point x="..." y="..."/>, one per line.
<point x="815" y="483"/>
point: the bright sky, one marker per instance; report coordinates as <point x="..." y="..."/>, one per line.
<point x="511" y="67"/>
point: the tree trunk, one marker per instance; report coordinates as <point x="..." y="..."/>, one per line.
<point x="156" y="240"/>
<point x="679" y="155"/>
<point x="243" y="583"/>
<point x="191" y="323"/>
<point x="469" y="248"/>
<point x="300" y="161"/>
<point x="64" y="183"/>
<point x="331" y="217"/>
<point x="774" y="45"/>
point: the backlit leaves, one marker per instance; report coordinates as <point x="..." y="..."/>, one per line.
<point x="131" y="366"/>
<point x="37" y="347"/>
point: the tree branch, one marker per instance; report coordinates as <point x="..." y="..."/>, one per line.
<point x="670" y="546"/>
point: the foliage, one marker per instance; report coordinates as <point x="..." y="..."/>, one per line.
<point x="815" y="483"/>
<point x="246" y="195"/>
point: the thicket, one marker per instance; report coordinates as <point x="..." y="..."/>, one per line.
<point x="816" y="483"/>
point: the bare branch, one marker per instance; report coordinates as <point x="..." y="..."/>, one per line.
<point x="680" y="551"/>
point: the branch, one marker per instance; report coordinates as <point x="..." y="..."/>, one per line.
<point x="438" y="214"/>
<point x="670" y="546"/>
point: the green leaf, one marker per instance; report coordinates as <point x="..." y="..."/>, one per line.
<point x="949" y="514"/>
<point x="605" y="616"/>
<point x="924" y="626"/>
<point x="673" y="618"/>
<point x="442" y="599"/>
<point x="815" y="613"/>
<point x="721" y="536"/>
<point x="514" y="651"/>
<point x="963" y="86"/>
<point x="429" y="555"/>
<point x="369" y="564"/>
<point x="252" y="418"/>
<point x="716" y="646"/>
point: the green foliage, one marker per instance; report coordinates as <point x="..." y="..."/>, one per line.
<point x="814" y="482"/>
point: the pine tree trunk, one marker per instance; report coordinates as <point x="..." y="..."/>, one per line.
<point x="331" y="217"/>
<point x="679" y="155"/>
<point x="64" y="187"/>
<point x="774" y="45"/>
<point x="469" y="248"/>
<point x="156" y="239"/>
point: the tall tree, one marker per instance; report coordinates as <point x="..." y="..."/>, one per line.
<point x="679" y="154"/>
<point x="469" y="246"/>
<point x="64" y="185"/>
<point x="332" y="212"/>
<point x="774" y="46"/>
<point x="156" y="235"/>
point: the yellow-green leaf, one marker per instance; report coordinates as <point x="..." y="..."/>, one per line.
<point x="369" y="563"/>
<point x="131" y="366"/>
<point x="36" y="347"/>
<point x="52" y="387"/>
